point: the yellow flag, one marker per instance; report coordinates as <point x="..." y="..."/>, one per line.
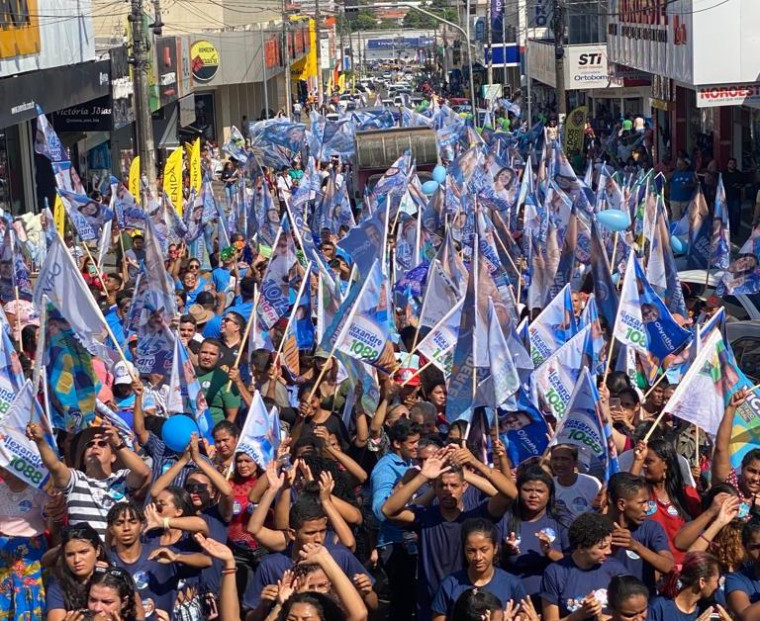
<point x="342" y="82"/>
<point x="134" y="178"/>
<point x="173" y="179"/>
<point x="575" y="125"/>
<point x="59" y="214"/>
<point x="195" y="167"/>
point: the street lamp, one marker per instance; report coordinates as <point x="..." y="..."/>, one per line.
<point x="414" y="5"/>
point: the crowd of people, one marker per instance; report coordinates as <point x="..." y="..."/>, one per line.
<point x="402" y="512"/>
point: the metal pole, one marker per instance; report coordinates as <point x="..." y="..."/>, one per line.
<point x="318" y="27"/>
<point x="469" y="56"/>
<point x="559" y="55"/>
<point x="286" y="46"/>
<point x="145" y="145"/>
<point x="264" y="72"/>
<point x="529" y="80"/>
<point x="489" y="43"/>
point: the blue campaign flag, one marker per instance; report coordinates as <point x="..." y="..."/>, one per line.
<point x="673" y="294"/>
<point x="396" y="179"/>
<point x="260" y="436"/>
<point x="327" y="138"/>
<point x="87" y="215"/>
<point x="583" y="427"/>
<point x="19" y="283"/>
<point x="276" y="142"/>
<point x="129" y="215"/>
<point x="720" y="239"/>
<point x="553" y="327"/>
<point x="743" y="274"/>
<point x="566" y="266"/>
<point x="235" y="145"/>
<point x="700" y="226"/>
<point x="372" y="118"/>
<point x="523" y="430"/>
<point x="364" y="243"/>
<point x="605" y="291"/>
<point x="185" y="394"/>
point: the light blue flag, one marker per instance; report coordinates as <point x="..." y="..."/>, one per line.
<point x="276" y="142"/>
<point x="185" y="394"/>
<point x="20" y="283"/>
<point x="493" y="355"/>
<point x="590" y="317"/>
<point x="260" y="436"/>
<point x="278" y="280"/>
<point x="87" y="215"/>
<point x="364" y="243"/>
<point x="19" y="455"/>
<point x="720" y="240"/>
<point x="700" y="227"/>
<point x="605" y="290"/>
<point x="553" y="327"/>
<point x="583" y="427"/>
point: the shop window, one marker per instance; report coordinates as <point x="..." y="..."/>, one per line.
<point x="12" y="196"/>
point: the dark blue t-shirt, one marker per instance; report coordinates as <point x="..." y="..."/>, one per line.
<point x="54" y="595"/>
<point x="272" y="567"/>
<point x="217" y="526"/>
<point x="530" y="564"/>
<point x="155" y="582"/>
<point x="440" y="549"/>
<point x="651" y="535"/>
<point x="566" y="585"/>
<point x="665" y="609"/>
<point x="503" y="585"/>
<point x="744" y="580"/>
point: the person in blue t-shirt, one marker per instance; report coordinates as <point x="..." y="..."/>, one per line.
<point x="534" y="530"/>
<point x="743" y="586"/>
<point x="688" y="591"/>
<point x="639" y="543"/>
<point x="480" y="543"/>
<point x="154" y="582"/>
<point x="628" y="599"/>
<point x="439" y="526"/>
<point x="575" y="588"/>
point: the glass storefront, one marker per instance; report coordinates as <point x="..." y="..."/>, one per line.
<point x="12" y="195"/>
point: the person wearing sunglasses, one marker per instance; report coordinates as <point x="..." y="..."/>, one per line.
<point x="92" y="486"/>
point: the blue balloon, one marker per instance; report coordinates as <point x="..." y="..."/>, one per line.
<point x="615" y="278"/>
<point x="678" y="245"/>
<point x="439" y="173"/>
<point x="429" y="187"/>
<point x="177" y="430"/>
<point x="614" y="219"/>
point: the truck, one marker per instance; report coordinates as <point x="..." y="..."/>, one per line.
<point x="378" y="149"/>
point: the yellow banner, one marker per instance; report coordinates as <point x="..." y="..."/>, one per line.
<point x="173" y="179"/>
<point x="196" y="176"/>
<point x="134" y="178"/>
<point x="575" y="126"/>
<point x="59" y="214"/>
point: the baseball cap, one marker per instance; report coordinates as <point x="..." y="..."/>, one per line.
<point x="123" y="373"/>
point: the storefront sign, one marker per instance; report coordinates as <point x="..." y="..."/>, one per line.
<point x="586" y="66"/>
<point x="20" y="29"/>
<point x="204" y="60"/>
<point x="728" y="95"/>
<point x="541" y="62"/>
<point x="272" y="53"/>
<point x="53" y="89"/>
<point x="93" y="116"/>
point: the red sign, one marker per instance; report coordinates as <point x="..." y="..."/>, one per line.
<point x="272" y="53"/>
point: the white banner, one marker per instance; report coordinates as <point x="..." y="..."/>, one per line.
<point x="728" y="95"/>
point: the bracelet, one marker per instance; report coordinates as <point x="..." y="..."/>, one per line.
<point x="123" y="445"/>
<point x="227" y="572"/>
<point x="702" y="536"/>
<point x="166" y="523"/>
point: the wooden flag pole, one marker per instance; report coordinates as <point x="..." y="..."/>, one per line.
<point x="614" y="251"/>
<point x="416" y="373"/>
<point x="97" y="271"/>
<point x="244" y="340"/>
<point x="295" y="309"/>
<point x="657" y="383"/>
<point x="656" y="422"/>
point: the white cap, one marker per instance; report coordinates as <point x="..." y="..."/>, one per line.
<point x="123" y="374"/>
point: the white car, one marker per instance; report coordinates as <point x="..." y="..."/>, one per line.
<point x="744" y="337"/>
<point x="738" y="307"/>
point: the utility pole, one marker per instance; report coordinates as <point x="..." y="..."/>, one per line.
<point x="264" y="71"/>
<point x="318" y="27"/>
<point x="286" y="51"/>
<point x="145" y="145"/>
<point x="559" y="57"/>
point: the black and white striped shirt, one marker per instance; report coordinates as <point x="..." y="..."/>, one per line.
<point x="89" y="500"/>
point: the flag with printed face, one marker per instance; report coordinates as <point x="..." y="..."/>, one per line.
<point x="129" y="215"/>
<point x="523" y="430"/>
<point x="703" y="394"/>
<point x="361" y="328"/>
<point x="61" y="282"/>
<point x="605" y="290"/>
<point x="280" y="277"/>
<point x="11" y="372"/>
<point x="583" y="427"/>
<point x="87" y="215"/>
<point x="445" y="284"/>
<point x="47" y="143"/>
<point x="260" y="436"/>
<point x="673" y="294"/>
<point x="185" y="394"/>
<point x="154" y="307"/>
<point x="555" y="379"/>
<point x="364" y="243"/>
<point x="720" y="240"/>
<point x="493" y="354"/>
<point x="12" y="264"/>
<point x="438" y="345"/>
<point x="700" y="225"/>
<point x="597" y="342"/>
<point x="19" y="455"/>
<point x="553" y="327"/>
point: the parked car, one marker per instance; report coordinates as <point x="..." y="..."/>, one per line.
<point x="744" y="337"/>
<point x="740" y="307"/>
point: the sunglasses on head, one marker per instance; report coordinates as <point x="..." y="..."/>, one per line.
<point x="99" y="443"/>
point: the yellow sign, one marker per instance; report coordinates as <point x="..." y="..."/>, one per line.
<point x="134" y="178"/>
<point x="173" y="179"/>
<point x="575" y="126"/>
<point x="20" y="31"/>
<point x="204" y="61"/>
<point x="59" y="214"/>
<point x="194" y="159"/>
